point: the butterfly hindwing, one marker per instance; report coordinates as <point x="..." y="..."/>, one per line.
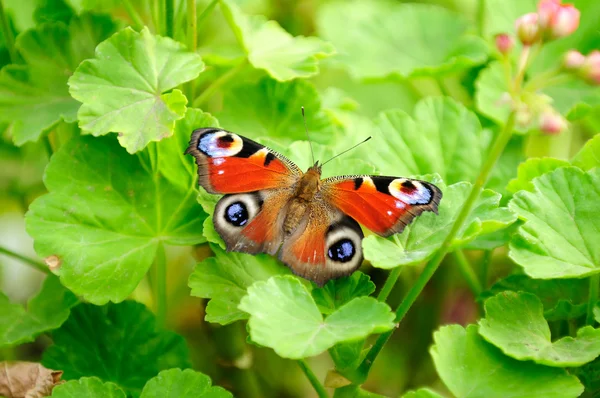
<point x="230" y="163"/>
<point x="325" y="245"/>
<point x="252" y="222"/>
<point x="385" y="205"/>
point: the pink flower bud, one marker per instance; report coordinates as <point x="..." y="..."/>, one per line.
<point x="546" y="11"/>
<point x="551" y="123"/>
<point x="504" y="43"/>
<point x="573" y="60"/>
<point x="528" y="30"/>
<point x="557" y="20"/>
<point x="591" y="68"/>
<point x="565" y="21"/>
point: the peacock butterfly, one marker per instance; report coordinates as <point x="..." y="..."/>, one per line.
<point x="271" y="206"/>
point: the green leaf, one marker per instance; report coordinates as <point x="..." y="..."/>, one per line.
<point x="271" y="108"/>
<point x="597" y="313"/>
<point x="338" y="292"/>
<point x="560" y="234"/>
<point x="106" y="212"/>
<point x="514" y="322"/>
<point x="123" y="88"/>
<point x="46" y="311"/>
<point x="422" y="393"/>
<point x="490" y="87"/>
<point x="177" y="383"/>
<point x="589" y="156"/>
<point x="533" y="168"/>
<point x="420" y="239"/>
<point x="562" y="298"/>
<point x="371" y="42"/>
<point x="34" y="96"/>
<point x="225" y="279"/>
<point x="88" y="387"/>
<point x="271" y="48"/>
<point x="282" y="301"/>
<point x="449" y="141"/>
<point x="117" y="342"/>
<point x="471" y="367"/>
<point x="589" y="375"/>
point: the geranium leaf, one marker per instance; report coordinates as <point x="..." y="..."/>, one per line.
<point x="338" y="292"/>
<point x="471" y="367"/>
<point x="106" y="212"/>
<point x="558" y="239"/>
<point x="123" y="89"/>
<point x="533" y="168"/>
<point x="282" y="301"/>
<point x="177" y="383"/>
<point x="117" y="342"/>
<point x="514" y="322"/>
<point x="225" y="278"/>
<point x="426" y="233"/>
<point x="271" y="108"/>
<point x="88" y="387"/>
<point x="34" y="96"/>
<point x="371" y="43"/>
<point x="46" y="311"/>
<point x="589" y="156"/>
<point x="562" y="298"/>
<point x="450" y="142"/>
<point x="271" y="48"/>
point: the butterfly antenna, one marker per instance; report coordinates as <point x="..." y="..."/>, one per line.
<point x="349" y="149"/>
<point x="307" y="136"/>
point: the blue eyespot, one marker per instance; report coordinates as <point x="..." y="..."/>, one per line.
<point x="341" y="251"/>
<point x="236" y="214"/>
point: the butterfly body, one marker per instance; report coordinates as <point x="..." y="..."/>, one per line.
<point x="271" y="206"/>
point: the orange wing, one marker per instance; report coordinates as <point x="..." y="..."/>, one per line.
<point x="385" y="205"/>
<point x="229" y="163"/>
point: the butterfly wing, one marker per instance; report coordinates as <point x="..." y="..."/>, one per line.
<point x="252" y="222"/>
<point x="385" y="205"/>
<point x="230" y="163"/>
<point x="325" y="245"/>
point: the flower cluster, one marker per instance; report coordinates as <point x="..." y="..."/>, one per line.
<point x="553" y="20"/>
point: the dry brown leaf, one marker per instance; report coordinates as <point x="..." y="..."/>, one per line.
<point x="27" y="380"/>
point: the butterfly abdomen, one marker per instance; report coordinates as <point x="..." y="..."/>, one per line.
<point x="307" y="187"/>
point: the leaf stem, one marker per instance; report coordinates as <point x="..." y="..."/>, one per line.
<point x="8" y="36"/>
<point x="485" y="268"/>
<point x="467" y="272"/>
<point x="436" y="260"/>
<point x="160" y="286"/>
<point x="136" y="19"/>
<point x="480" y="17"/>
<point x="192" y="42"/>
<point x="389" y="284"/>
<point x="210" y="90"/>
<point x="593" y="299"/>
<point x="170" y="17"/>
<point x="207" y="11"/>
<point x="321" y="392"/>
<point x="29" y="261"/>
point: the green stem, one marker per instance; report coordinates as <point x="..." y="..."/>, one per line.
<point x="480" y="16"/>
<point x="467" y="272"/>
<point x="389" y="284"/>
<point x="321" y="392"/>
<point x="29" y="261"/>
<point x="160" y="286"/>
<point x="170" y="17"/>
<point x="155" y="10"/>
<point x="136" y="19"/>
<point x="207" y="11"/>
<point x="434" y="263"/>
<point x="8" y="36"/>
<point x="521" y="68"/>
<point x="210" y="90"/>
<point x="192" y="42"/>
<point x="593" y="299"/>
<point x="485" y="267"/>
